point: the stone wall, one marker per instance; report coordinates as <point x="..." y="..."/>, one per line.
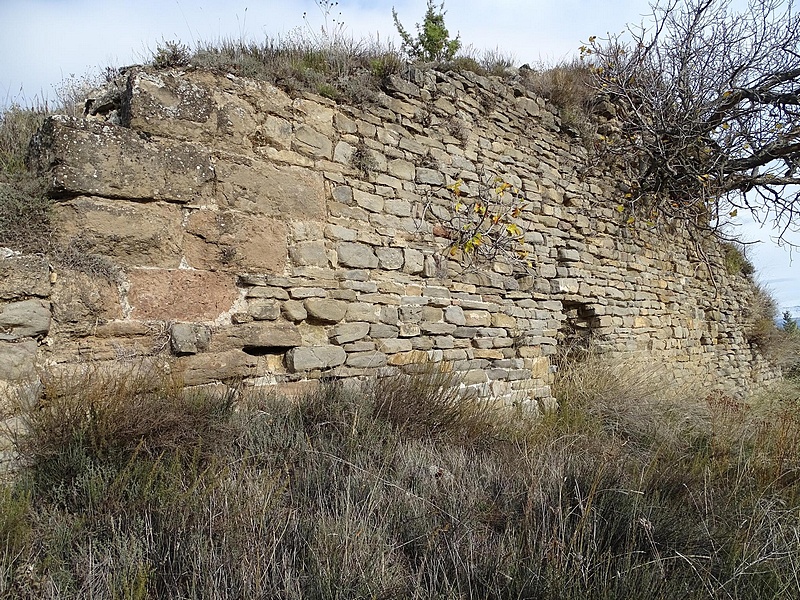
<point x="223" y="229"/>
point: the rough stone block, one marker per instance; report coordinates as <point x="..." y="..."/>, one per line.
<point x="189" y="338"/>
<point x="350" y="332"/>
<point x="366" y="360"/>
<point x="23" y="276"/>
<point x="323" y="309"/>
<point x="202" y="369"/>
<point x="315" y="357"/>
<point x="17" y="361"/>
<point x="264" y="310"/>
<point x="29" y="318"/>
<point x="357" y="256"/>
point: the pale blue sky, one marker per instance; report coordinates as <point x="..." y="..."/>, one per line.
<point x="44" y="41"/>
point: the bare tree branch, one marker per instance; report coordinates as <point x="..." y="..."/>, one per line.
<point x="707" y="109"/>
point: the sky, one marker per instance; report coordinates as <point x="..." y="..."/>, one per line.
<point x="44" y="43"/>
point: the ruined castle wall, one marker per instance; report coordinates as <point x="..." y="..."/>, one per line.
<point x="224" y="229"/>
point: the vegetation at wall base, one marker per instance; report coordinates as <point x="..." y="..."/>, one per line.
<point x="132" y="487"/>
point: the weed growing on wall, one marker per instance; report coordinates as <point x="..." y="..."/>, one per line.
<point x="486" y="226"/>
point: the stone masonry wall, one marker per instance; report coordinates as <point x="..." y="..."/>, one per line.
<point x="221" y="228"/>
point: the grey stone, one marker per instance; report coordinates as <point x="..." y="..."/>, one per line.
<point x="294" y="310"/>
<point x="189" y="338"/>
<point x="358" y="256"/>
<point x="29" y="318"/>
<point x="24" y="276"/>
<point x="455" y="315"/>
<point x="328" y="311"/>
<point x="268" y="292"/>
<point x="365" y="360"/>
<point x="390" y="258"/>
<point x="413" y="261"/>
<point x="307" y="292"/>
<point x="315" y="357"/>
<point x="437" y="328"/>
<point x="394" y="345"/>
<point x="309" y="253"/>
<point x="350" y="332"/>
<point x="429" y="177"/>
<point x="380" y="330"/>
<point x="264" y="310"/>
<point x="18" y="361"/>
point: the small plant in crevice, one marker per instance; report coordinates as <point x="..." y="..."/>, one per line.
<point x="362" y="159"/>
<point x="486" y="226"/>
<point x="170" y="53"/>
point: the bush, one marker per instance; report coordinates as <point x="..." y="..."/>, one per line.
<point x="432" y="42"/>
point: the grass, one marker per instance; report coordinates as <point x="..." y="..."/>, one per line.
<point x="132" y="487"/>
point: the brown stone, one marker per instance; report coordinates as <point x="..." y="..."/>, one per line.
<point x="201" y="369"/>
<point x="273" y="190"/>
<point x="258" y="336"/>
<point x="234" y="240"/>
<point x="72" y="152"/>
<point x="24" y="276"/>
<point x="142" y="235"/>
<point x="182" y="295"/>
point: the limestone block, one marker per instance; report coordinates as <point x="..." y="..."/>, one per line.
<point x="313" y="143"/>
<point x="307" y="292"/>
<point x="257" y="336"/>
<point x="369" y="202"/>
<point x="325" y="310"/>
<point x="261" y="291"/>
<point x="189" y="338"/>
<point x="74" y="151"/>
<point x="29" y="318"/>
<point x="220" y="240"/>
<point x="362" y="311"/>
<point x="350" y="332"/>
<point x="358" y="256"/>
<point x="402" y="169"/>
<point x="315" y="357"/>
<point x="263" y="310"/>
<point x="429" y="176"/>
<point x="183" y="295"/>
<point x="24" y="276"/>
<point x="17" y="361"/>
<point x="205" y="368"/>
<point x="365" y="360"/>
<point x="135" y="234"/>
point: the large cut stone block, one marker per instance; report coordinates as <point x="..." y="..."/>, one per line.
<point x="273" y="190"/>
<point x="142" y="235"/>
<point x="90" y="158"/>
<point x="181" y="295"/>
<point x="260" y="336"/>
<point x="234" y="240"/>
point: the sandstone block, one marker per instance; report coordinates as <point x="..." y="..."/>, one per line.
<point x="257" y="336"/>
<point x="205" y="368"/>
<point x="323" y="309"/>
<point x="29" y="318"/>
<point x="23" y="276"/>
<point x="390" y="258"/>
<point x="313" y="143"/>
<point x="309" y="253"/>
<point x="183" y="295"/>
<point x="135" y="234"/>
<point x="234" y="240"/>
<point x="315" y="357"/>
<point x="73" y="151"/>
<point x="276" y="191"/>
<point x="477" y="318"/>
<point x="414" y="261"/>
<point x="380" y="331"/>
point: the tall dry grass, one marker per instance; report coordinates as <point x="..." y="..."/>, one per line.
<point x="632" y="488"/>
